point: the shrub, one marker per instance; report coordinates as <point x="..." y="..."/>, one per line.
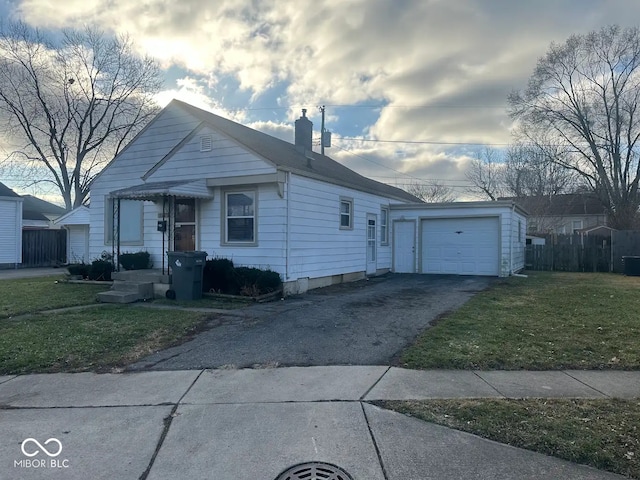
<point x="81" y="269"/>
<point x="221" y="276"/>
<point x="250" y="281"/>
<point x="136" y="261"/>
<point x="218" y="275"/>
<point x="102" y="267"/>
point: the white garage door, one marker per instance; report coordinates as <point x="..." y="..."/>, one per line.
<point x="462" y="246"/>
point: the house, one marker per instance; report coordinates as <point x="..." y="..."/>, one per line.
<point x="191" y="180"/>
<point x="38" y="213"/>
<point x="76" y="223"/>
<point x="11" y="232"/>
<point x="567" y="213"/>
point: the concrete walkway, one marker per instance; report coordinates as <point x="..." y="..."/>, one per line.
<point x="254" y="424"/>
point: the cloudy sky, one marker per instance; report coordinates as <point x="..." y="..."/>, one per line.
<point x="390" y="72"/>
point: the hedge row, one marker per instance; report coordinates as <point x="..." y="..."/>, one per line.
<point x="221" y="276"/>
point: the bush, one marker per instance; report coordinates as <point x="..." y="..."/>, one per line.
<point x="136" y="261"/>
<point x="81" y="269"/>
<point x="101" y="268"/>
<point x="218" y="275"/>
<point x="254" y="281"/>
<point x="221" y="276"/>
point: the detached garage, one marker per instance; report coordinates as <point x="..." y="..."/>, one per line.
<point x="465" y="238"/>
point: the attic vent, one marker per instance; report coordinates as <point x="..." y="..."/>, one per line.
<point x="206" y="143"/>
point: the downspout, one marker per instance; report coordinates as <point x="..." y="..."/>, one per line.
<point x="288" y="227"/>
<point x="513" y="212"/>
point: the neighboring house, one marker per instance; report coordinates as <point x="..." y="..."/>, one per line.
<point x="568" y="213"/>
<point x="76" y="223"/>
<point x="11" y="231"/>
<point x="192" y="180"/>
<point x="38" y="213"/>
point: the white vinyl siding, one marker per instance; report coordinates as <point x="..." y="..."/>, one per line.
<point x="78" y="243"/>
<point x="317" y="247"/>
<point x="11" y="233"/>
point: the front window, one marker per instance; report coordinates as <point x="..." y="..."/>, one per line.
<point x="131" y="221"/>
<point x="240" y="217"/>
<point x="346" y="213"/>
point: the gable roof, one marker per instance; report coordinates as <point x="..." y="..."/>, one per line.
<point x="35" y="208"/>
<point x="7" y="192"/>
<point x="286" y="156"/>
<point x="570" y="204"/>
<point x="77" y="216"/>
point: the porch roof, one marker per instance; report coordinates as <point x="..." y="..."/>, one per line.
<point x="157" y="190"/>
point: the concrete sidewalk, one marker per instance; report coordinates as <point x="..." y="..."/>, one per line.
<point x="254" y="424"/>
<point x="10" y="273"/>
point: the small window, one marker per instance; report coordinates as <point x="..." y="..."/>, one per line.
<point x="131" y="221"/>
<point x="576" y="225"/>
<point x="346" y="213"/>
<point x="520" y="231"/>
<point x="240" y="217"/>
<point x="384" y="226"/>
<point x="206" y="143"/>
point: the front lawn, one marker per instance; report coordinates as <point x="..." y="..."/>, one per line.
<point x="602" y="433"/>
<point x="95" y="338"/>
<point x="27" y="295"/>
<point x="548" y="321"/>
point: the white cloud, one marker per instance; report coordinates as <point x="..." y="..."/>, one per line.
<point x="461" y="57"/>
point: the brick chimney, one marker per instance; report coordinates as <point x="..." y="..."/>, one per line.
<point x="304" y="132"/>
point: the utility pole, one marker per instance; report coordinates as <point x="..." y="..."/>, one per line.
<point x="322" y="131"/>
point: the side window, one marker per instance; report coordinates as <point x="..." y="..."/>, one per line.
<point x="384" y="226"/>
<point x="346" y="213"/>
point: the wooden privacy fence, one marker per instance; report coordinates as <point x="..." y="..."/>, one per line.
<point x="577" y="253"/>
<point x="44" y="248"/>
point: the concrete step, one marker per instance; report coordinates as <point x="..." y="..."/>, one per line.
<point x="143" y="289"/>
<point x="116" y="296"/>
<point x="146" y="276"/>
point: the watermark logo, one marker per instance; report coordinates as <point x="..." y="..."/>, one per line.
<point x="31" y="447"/>
<point x="41" y="447"/>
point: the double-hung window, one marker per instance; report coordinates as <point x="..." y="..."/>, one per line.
<point x="346" y="213"/>
<point x="384" y="226"/>
<point x="240" y="217"/>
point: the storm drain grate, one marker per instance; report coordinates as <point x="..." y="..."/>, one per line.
<point x="314" y="471"/>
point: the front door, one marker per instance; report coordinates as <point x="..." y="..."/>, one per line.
<point x="184" y="234"/>
<point x="371" y="245"/>
<point x="404" y="246"/>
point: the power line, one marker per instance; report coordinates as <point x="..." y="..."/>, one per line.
<point x="421" y="142"/>
<point x="372" y="106"/>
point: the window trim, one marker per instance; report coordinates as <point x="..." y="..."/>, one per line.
<point x="349" y="201"/>
<point x="108" y="226"/>
<point x="224" y="218"/>
<point x="384" y="227"/>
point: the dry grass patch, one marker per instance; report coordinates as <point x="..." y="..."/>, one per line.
<point x="601" y="433"/>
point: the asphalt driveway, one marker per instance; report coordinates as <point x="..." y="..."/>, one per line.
<point x="362" y="323"/>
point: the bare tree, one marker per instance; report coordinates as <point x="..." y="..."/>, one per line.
<point x="532" y="171"/>
<point x="584" y="96"/>
<point x="486" y="174"/>
<point x="435" y="192"/>
<point x="71" y="103"/>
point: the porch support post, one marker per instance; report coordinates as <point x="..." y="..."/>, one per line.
<point x="117" y="259"/>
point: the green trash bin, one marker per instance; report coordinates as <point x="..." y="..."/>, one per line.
<point x="186" y="274"/>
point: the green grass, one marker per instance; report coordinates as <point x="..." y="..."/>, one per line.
<point x="548" y="321"/>
<point x="27" y="295"/>
<point x="96" y="338"/>
<point x="602" y="433"/>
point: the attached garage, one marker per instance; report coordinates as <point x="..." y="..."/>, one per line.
<point x="465" y="238"/>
